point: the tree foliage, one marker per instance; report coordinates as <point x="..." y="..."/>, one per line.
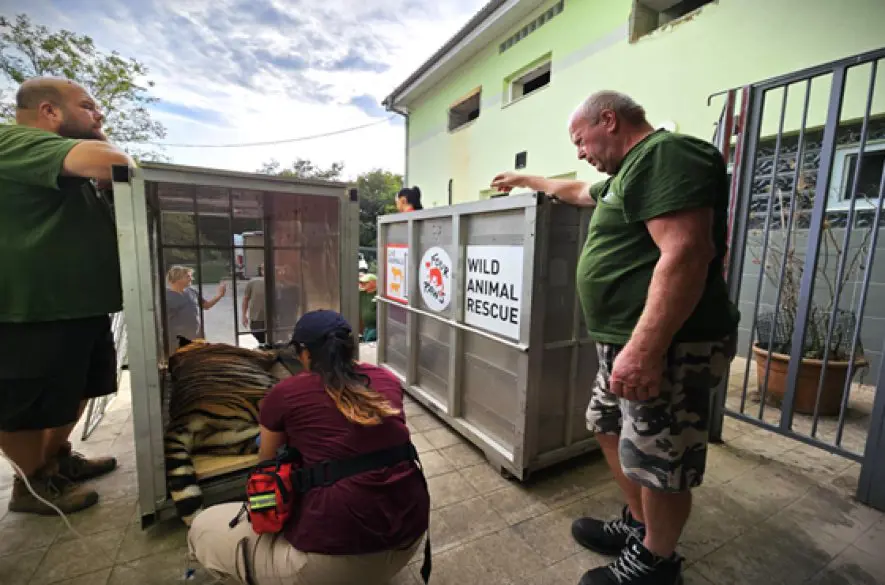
<point x="377" y="188"/>
<point x="117" y="83"/>
<point x="303" y="168"/>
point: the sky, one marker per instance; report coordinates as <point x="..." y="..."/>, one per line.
<point x="239" y="71"/>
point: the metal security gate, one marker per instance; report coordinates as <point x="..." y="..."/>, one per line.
<point x="806" y="263"/>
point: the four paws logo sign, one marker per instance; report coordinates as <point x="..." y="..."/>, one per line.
<point x="436" y="279"/>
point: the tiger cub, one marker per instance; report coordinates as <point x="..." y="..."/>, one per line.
<point x="214" y="397"/>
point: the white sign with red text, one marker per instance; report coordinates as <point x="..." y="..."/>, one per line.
<point x="435" y="279"/>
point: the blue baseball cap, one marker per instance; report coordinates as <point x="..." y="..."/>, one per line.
<point x="317" y="325"/>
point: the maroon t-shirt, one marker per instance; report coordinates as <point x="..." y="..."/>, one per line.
<point x="366" y="513"/>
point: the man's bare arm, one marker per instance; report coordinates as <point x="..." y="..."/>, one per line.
<point x="93" y="159"/>
<point x="212" y="302"/>
<point x="571" y="192"/>
<point x="686" y="243"/>
<point x="245" y="311"/>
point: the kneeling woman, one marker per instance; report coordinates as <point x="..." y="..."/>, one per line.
<point x="363" y="528"/>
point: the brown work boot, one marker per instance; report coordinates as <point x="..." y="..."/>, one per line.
<point x="77" y="468"/>
<point x="56" y="490"/>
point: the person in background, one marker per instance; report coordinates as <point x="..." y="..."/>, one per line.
<point x="183" y="306"/>
<point x="363" y="528"/>
<point x="409" y="199"/>
<point x="60" y="285"/>
<point x="655" y="301"/>
<point x="368" y="311"/>
<point x="253" y="306"/>
<point x="287" y="290"/>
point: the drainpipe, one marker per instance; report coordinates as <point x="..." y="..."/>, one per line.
<point x="404" y="114"/>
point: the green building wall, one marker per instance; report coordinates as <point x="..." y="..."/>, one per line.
<point x="671" y="72"/>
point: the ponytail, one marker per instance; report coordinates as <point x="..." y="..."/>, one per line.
<point x="333" y="359"/>
<point x="413" y="196"/>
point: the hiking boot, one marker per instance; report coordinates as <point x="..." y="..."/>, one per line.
<point x="53" y="488"/>
<point x="637" y="566"/>
<point x="607" y="538"/>
<point x="77" y="468"/>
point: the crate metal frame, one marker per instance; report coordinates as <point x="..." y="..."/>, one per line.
<point x="143" y="324"/>
<point x="539" y="216"/>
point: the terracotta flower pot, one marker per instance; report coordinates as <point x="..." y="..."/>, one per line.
<point x="807" y="384"/>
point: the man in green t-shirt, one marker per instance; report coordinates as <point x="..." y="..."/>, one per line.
<point x="654" y="299"/>
<point x="61" y="283"/>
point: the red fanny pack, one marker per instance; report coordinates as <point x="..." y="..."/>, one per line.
<point x="269" y="496"/>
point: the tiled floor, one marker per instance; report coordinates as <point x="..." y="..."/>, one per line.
<point x="771" y="512"/>
<point x="858" y="414"/>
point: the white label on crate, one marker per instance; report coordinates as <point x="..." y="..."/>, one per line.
<point x="493" y="289"/>
<point x="397" y="281"/>
<point x="436" y="279"/>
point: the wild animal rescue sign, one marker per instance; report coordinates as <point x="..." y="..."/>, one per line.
<point x="493" y="289"/>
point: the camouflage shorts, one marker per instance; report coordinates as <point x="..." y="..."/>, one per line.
<point x="663" y="441"/>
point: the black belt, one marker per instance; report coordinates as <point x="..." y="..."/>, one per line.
<point x="326" y="473"/>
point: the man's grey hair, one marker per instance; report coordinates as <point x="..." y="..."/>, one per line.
<point x="624" y="107"/>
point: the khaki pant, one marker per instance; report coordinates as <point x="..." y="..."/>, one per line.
<point x="224" y="551"/>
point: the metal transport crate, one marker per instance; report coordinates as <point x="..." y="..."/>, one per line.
<point x="304" y="232"/>
<point x="479" y="317"/>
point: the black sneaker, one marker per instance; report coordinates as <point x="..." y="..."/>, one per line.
<point x="637" y="566"/>
<point x="607" y="538"/>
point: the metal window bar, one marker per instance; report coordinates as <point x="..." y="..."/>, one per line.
<point x="871" y="256"/>
<point x="199" y="263"/>
<point x="270" y="290"/>
<point x="153" y="197"/>
<point x="772" y="189"/>
<point x="815" y="236"/>
<point x="800" y="154"/>
<point x="233" y="268"/>
<point x="786" y="244"/>
<point x="840" y="272"/>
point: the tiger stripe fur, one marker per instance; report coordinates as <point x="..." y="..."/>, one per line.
<point x="215" y="394"/>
